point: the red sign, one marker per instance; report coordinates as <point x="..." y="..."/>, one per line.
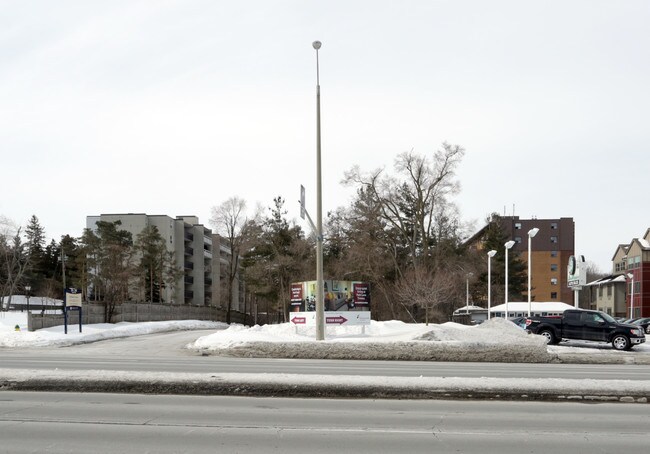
<point x="361" y="292"/>
<point x="338" y="320"/>
<point x="296" y="292"/>
<point x="299" y="320"/>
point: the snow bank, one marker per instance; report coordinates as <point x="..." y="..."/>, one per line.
<point x="495" y="340"/>
<point x="55" y="336"/>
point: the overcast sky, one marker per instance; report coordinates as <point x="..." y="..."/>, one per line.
<point x="171" y="107"/>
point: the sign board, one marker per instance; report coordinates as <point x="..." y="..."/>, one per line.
<point x="576" y="272"/>
<point x="338" y="296"/>
<point x="73" y="297"/>
<point x="302" y="201"/>
<point x="345" y="318"/>
<point x="72" y="302"/>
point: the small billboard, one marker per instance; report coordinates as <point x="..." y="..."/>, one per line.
<point x="73" y="297"/>
<point x="338" y="296"/>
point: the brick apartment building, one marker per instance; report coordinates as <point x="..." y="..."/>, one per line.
<point x="615" y="294"/>
<point x="550" y="251"/>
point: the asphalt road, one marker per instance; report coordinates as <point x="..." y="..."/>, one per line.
<point x="165" y="352"/>
<point x="110" y="423"/>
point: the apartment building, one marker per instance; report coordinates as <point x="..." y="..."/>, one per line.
<point x="626" y="292"/>
<point x="202" y="256"/>
<point x="550" y="248"/>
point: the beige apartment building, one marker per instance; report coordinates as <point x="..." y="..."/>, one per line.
<point x="202" y="255"/>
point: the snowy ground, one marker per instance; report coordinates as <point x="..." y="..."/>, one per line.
<point x="495" y="340"/>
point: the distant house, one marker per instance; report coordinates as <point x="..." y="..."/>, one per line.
<point x="614" y="294"/>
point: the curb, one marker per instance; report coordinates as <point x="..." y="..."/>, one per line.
<point x="329" y="386"/>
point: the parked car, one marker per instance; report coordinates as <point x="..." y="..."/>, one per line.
<point x="643" y="323"/>
<point x="587" y="325"/>
<point x="519" y="321"/>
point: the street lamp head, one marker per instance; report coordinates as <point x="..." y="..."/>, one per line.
<point x="509" y="244"/>
<point x="630" y="275"/>
<point x="492" y="253"/>
<point x="533" y="232"/>
<point x="316" y="44"/>
<point x="470" y="274"/>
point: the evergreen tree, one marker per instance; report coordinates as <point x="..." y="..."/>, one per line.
<point x="35" y="249"/>
<point x="153" y="262"/>
<point x="280" y="256"/>
<point x="110" y="262"/>
<point x="494" y="238"/>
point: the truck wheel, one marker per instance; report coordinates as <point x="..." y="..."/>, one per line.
<point x="621" y="342"/>
<point x="550" y="337"/>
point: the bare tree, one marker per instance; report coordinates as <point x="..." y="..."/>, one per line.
<point x="416" y="207"/>
<point x="415" y="225"/>
<point x="15" y="263"/>
<point x="232" y="222"/>
<point x="421" y="289"/>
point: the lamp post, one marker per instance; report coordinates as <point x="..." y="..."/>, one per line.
<point x="531" y="235"/>
<point x="467" y="291"/>
<point x="508" y="245"/>
<point x="320" y="302"/>
<point x="490" y="254"/>
<point x="631" y="276"/>
<point x="28" y="288"/>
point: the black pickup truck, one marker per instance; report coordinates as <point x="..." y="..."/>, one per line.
<point x="586" y="325"/>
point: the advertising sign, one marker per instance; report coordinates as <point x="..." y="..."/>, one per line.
<point x="576" y="272"/>
<point x="338" y="296"/>
<point x="296" y="296"/>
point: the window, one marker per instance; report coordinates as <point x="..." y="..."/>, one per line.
<point x="553" y="295"/>
<point x="609" y="290"/>
<point x="600" y="291"/>
<point x="517" y="225"/>
<point x="553" y="225"/>
<point x="554" y="267"/>
<point x="571" y="316"/>
<point x="518" y="239"/>
<point x="553" y="239"/>
<point x="553" y="253"/>
<point x="553" y="281"/>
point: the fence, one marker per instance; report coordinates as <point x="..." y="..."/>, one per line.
<point x="131" y="312"/>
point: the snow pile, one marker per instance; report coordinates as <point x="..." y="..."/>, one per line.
<point x="495" y="340"/>
<point x="55" y="336"/>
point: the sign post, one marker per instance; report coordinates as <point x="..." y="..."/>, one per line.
<point x="576" y="276"/>
<point x="72" y="302"/>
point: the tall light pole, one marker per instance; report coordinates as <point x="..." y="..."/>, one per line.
<point x="631" y="276"/>
<point x="467" y="291"/>
<point x="508" y="245"/>
<point x="531" y="235"/>
<point x="490" y="254"/>
<point x="320" y="294"/>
